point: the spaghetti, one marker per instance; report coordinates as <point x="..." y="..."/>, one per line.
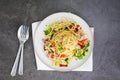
<point x="64" y="41"/>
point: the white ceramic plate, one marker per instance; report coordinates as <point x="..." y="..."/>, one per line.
<point x="39" y="35"/>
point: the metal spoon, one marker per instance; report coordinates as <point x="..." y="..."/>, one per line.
<point x="23" y="35"/>
<point x="24" y="38"/>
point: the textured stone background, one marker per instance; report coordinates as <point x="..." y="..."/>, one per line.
<point x="103" y="15"/>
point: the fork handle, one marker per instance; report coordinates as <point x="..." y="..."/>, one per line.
<point x="20" y="70"/>
<point x="14" y="68"/>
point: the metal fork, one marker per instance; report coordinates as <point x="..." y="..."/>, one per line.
<point x="23" y="35"/>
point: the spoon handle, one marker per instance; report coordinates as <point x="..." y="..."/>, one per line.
<point x="20" y="70"/>
<point x="14" y="68"/>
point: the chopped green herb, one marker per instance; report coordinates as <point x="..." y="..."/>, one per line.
<point x="47" y="31"/>
<point x="80" y="56"/>
<point x="66" y="60"/>
<point x="56" y="29"/>
<point x="60" y="48"/>
<point x="85" y="52"/>
<point x="51" y="36"/>
<point x="50" y="50"/>
<point x="73" y="23"/>
<point x="87" y="45"/>
<point x="65" y="28"/>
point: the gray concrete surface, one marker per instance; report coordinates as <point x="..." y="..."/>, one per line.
<point x="103" y="15"/>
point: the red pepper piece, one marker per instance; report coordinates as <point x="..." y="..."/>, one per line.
<point x="52" y="56"/>
<point x="63" y="65"/>
<point x="53" y="44"/>
<point x="62" y="56"/>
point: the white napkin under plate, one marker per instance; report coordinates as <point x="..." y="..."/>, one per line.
<point x="87" y="66"/>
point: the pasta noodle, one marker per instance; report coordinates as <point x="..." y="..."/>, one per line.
<point x="65" y="40"/>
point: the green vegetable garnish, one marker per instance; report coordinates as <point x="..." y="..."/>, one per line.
<point x="73" y="23"/>
<point x="79" y="54"/>
<point x="65" y="28"/>
<point x="66" y="60"/>
<point x="57" y="28"/>
<point x="85" y="52"/>
<point x="47" y="31"/>
<point x="50" y="50"/>
<point x="51" y="36"/>
<point x="87" y="45"/>
<point x="60" y="48"/>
